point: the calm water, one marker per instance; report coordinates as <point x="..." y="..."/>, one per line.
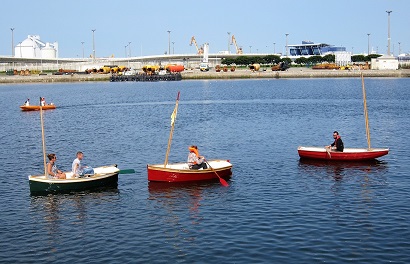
<point x="276" y="209"/>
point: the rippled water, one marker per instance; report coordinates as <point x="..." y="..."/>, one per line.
<point x="277" y="209"/>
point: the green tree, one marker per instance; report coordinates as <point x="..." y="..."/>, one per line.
<point x="358" y="58"/>
<point x="301" y="60"/>
<point x="242" y="60"/>
<point x="271" y="59"/>
<point x="287" y="60"/>
<point x="315" y="59"/>
<point x="329" y="58"/>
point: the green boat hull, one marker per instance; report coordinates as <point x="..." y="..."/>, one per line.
<point x="45" y="187"/>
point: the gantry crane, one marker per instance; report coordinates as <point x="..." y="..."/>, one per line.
<point x="199" y="50"/>
<point x="238" y="49"/>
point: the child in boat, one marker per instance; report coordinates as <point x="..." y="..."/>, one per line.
<point x="27" y="103"/>
<point x="43" y="101"/>
<point x="52" y="171"/>
<point x="195" y="161"/>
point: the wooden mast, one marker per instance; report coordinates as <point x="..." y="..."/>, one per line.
<point x="366" y="114"/>
<point x="43" y="139"/>
<point x="173" y="118"/>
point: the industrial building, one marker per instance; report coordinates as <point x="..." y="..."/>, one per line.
<point x="33" y="47"/>
<point x="309" y="48"/>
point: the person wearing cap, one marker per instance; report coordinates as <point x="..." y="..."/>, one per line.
<point x="195" y="161"/>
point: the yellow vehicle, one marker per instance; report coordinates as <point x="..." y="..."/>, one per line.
<point x="150" y="69"/>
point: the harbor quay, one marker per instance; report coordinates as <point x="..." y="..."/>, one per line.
<point x="297" y="72"/>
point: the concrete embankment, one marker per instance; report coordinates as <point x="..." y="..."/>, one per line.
<point x="55" y="78"/>
<point x="238" y="74"/>
<point x="295" y="73"/>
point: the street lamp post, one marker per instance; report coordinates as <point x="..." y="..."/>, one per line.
<point x="12" y="42"/>
<point x="287" y="34"/>
<point x="250" y="49"/>
<point x="368" y="44"/>
<point x="169" y="41"/>
<point x="129" y="48"/>
<point x="229" y="42"/>
<point x="82" y="44"/>
<point x="274" y="49"/>
<point x="173" y="50"/>
<point x="125" y="51"/>
<point x="399" y="49"/>
<point x="388" y="32"/>
<point x="93" y="30"/>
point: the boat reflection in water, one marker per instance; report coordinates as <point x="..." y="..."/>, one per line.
<point x="176" y="200"/>
<point x="57" y="211"/>
<point x="340" y="169"/>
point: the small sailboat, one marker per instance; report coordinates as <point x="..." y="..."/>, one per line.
<point x="348" y="154"/>
<point x="104" y="176"/>
<point x="180" y="172"/>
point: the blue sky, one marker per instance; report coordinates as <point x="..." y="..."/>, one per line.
<point x="254" y="23"/>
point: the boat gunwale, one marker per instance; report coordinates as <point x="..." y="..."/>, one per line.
<point x="72" y="180"/>
<point x="160" y="167"/>
<point x="346" y="150"/>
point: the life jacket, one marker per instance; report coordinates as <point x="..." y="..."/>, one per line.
<point x="194" y="150"/>
<point x="337" y="137"/>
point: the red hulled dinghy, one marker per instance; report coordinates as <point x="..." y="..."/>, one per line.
<point x="349" y="154"/>
<point x="180" y="172"/>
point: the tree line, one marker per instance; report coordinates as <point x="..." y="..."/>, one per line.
<point x="274" y="59"/>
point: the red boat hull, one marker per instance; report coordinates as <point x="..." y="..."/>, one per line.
<point x="347" y="155"/>
<point x="158" y="173"/>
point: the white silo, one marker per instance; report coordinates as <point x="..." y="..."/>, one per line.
<point x="48" y="52"/>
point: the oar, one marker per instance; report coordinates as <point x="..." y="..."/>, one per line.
<point x="128" y="171"/>
<point x="222" y="181"/>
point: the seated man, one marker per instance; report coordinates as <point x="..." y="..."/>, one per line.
<point x="195" y="161"/>
<point x="77" y="169"/>
<point x="337" y="145"/>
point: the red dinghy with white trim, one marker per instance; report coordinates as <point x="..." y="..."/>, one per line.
<point x="349" y="154"/>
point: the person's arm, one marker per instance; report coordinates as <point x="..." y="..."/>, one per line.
<point x="49" y="169"/>
<point x="75" y="168"/>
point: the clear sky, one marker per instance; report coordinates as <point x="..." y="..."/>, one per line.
<point x="257" y="23"/>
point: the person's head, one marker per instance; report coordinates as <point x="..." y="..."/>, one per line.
<point x="80" y="155"/>
<point x="335" y="134"/>
<point x="193" y="149"/>
<point x="52" y="156"/>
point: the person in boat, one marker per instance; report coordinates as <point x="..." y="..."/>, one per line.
<point x="77" y="169"/>
<point x="337" y="145"/>
<point x="52" y="170"/>
<point x="27" y="103"/>
<point x="195" y="161"/>
<point x="43" y="101"/>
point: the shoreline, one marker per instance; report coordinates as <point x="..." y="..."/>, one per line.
<point x="238" y="74"/>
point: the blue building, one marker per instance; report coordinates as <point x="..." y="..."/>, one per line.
<point x="309" y="48"/>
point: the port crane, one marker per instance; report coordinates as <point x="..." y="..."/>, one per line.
<point x="200" y="50"/>
<point x="238" y="49"/>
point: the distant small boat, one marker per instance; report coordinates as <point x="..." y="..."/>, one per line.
<point x="180" y="172"/>
<point x="349" y="154"/>
<point x="36" y="107"/>
<point x="105" y="176"/>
